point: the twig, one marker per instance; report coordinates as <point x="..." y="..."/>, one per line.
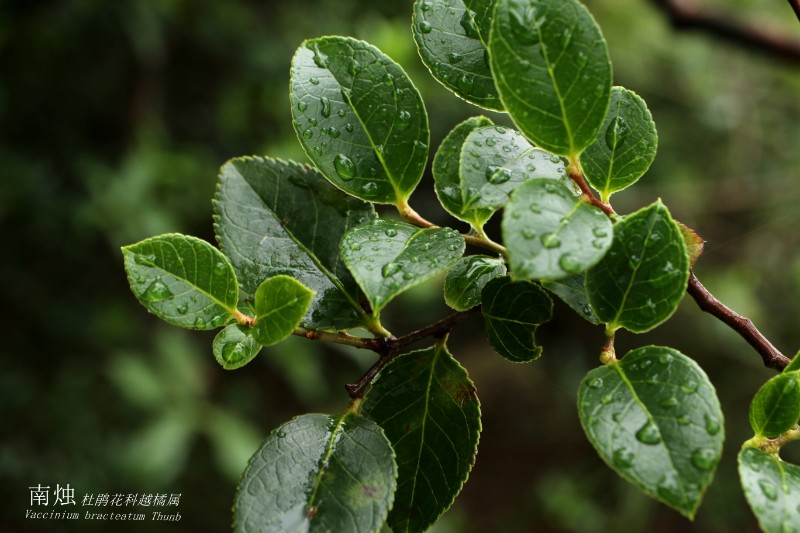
<point x="772" y="357"/>
<point x="393" y="347"/>
<point x="684" y="14"/>
<point x="577" y="176"/>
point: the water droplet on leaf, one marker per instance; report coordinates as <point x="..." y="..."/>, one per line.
<point x="182" y="309"/>
<point x="569" y="264"/>
<point x="712" y="425"/>
<point x="623" y="458"/>
<point x="468" y="23"/>
<point x="313" y="81"/>
<point x="403" y="120"/>
<point x="424" y="27"/>
<point x="157" y="291"/>
<point x="302" y="106"/>
<point x="596" y="383"/>
<point x="704" y="458"/>
<point x="616" y="132"/>
<point x="768" y="489"/>
<point x="454" y="58"/>
<point x="649" y="434"/>
<point x="344" y="167"/>
<point x="199" y="323"/>
<point x="551" y="241"/>
<point x="307" y="134"/>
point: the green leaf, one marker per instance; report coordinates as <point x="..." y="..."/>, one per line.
<point x="772" y="488"/>
<point x="274" y="217"/>
<point x="776" y="406"/>
<point x="551" y="234"/>
<point x="641" y="280"/>
<point x="235" y="346"/>
<point x="654" y="417"/>
<point x="552" y="71"/>
<point x="572" y="291"/>
<point x="794" y="364"/>
<point x="281" y="303"/>
<point x="182" y="280"/>
<point x="495" y="160"/>
<point x="451" y="40"/>
<point x="359" y="118"/>
<point x="318" y="473"/>
<point x="625" y="147"/>
<point x="428" y="407"/>
<point x="467" y="278"/>
<point x="388" y="257"/>
<point x="447" y="174"/>
<point x="512" y="311"/>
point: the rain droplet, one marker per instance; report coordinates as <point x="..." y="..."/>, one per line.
<point x="596" y="383"/>
<point x="313" y="81"/>
<point x="616" y="417"/>
<point x="424" y="27"/>
<point x="607" y="399"/>
<point x="499" y="177"/>
<point x="531" y="167"/>
<point x="768" y="489"/>
<point x="355" y="246"/>
<point x="623" y="458"/>
<point x="388" y="79"/>
<point x="425" y="6"/>
<point x="369" y="187"/>
<point x="341" y="113"/>
<point x="390" y="268"/>
<point x="704" y="458"/>
<point x="302" y="106"/>
<point x="690" y="387"/>
<point x="408" y="275"/>
<point x="683" y="420"/>
<point x="535" y="208"/>
<point x="551" y="241"/>
<point x="671" y="401"/>
<point x="182" y="309"/>
<point x="348" y="127"/>
<point x="523" y="24"/>
<point x="555" y="159"/>
<point x="281" y="434"/>
<point x="649" y="434"/>
<point x="490" y="142"/>
<point x="403" y="120"/>
<point x="468" y="23"/>
<point x="307" y="134"/>
<point x="325" y="107"/>
<point x="569" y="264"/>
<point x="220" y="268"/>
<point x="599" y="233"/>
<point x="199" y="323"/>
<point x="391" y="232"/>
<point x="454" y="58"/>
<point x="598" y="244"/>
<point x="616" y="132"/>
<point x="320" y="61"/>
<point x="156" y="292"/>
<point x="664" y="358"/>
<point x="344" y="167"/>
<point x="333" y="132"/>
<point x="668" y="489"/>
<point x="712" y="425"/>
<point x="528" y="234"/>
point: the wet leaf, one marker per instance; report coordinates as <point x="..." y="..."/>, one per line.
<point x="776" y="406"/>
<point x="273" y="217"/>
<point x="625" y="147"/>
<point x="182" y="280"/>
<point x="572" y="291"/>
<point x="359" y="118"/>
<point x="427" y="405"/>
<point x="318" y="473"/>
<point x="552" y="71"/>
<point x="281" y="303"/>
<point x="451" y="40"/>
<point x="654" y="417"/>
<point x="512" y="311"/>
<point x="235" y="346"/>
<point x="550" y="234"/>
<point x="641" y="280"/>
<point x="467" y="278"/>
<point x="388" y="257"/>
<point x="772" y="488"/>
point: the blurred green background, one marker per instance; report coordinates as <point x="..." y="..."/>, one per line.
<point x="116" y="115"/>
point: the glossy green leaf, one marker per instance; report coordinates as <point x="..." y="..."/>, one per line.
<point x="451" y="39"/>
<point x="274" y="217"/>
<point x="572" y="291"/>
<point x="235" y="346"/>
<point x="654" y="417"/>
<point x="794" y="364"/>
<point x="552" y="71"/>
<point x="388" y="257"/>
<point x="625" y="147"/>
<point x="359" y="118"/>
<point x="428" y="407"/>
<point x="318" y="473"/>
<point x="641" y="280"/>
<point x="495" y="160"/>
<point x="551" y="234"/>
<point x="467" y="278"/>
<point x="776" y="406"/>
<point x="447" y="174"/>
<point x="281" y="303"/>
<point x="182" y="280"/>
<point x="772" y="488"/>
<point x="512" y="311"/>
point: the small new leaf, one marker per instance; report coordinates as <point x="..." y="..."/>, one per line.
<point x="572" y="291"/>
<point x="552" y="71"/>
<point x="447" y="174"/>
<point x="318" y="473"/>
<point x="512" y="311"/>
<point x="625" y="147"/>
<point x="654" y="417"/>
<point x="641" y="280"/>
<point x="388" y="257"/>
<point x="427" y="405"/>
<point x="772" y="488"/>
<point x="235" y="346"/>
<point x="451" y="39"/>
<point x="776" y="406"/>
<point x="467" y="278"/>
<point x="280" y="305"/>
<point x="182" y="280"/>
<point x="551" y="234"/>
<point x="359" y="118"/>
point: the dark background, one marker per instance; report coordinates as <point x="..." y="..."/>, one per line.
<point x="114" y="118"/>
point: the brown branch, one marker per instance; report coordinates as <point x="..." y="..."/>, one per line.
<point x="772" y="357"/>
<point x="685" y="14"/>
<point x="415" y="218"/>
<point x="393" y="346"/>
<point x="577" y="176"/>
